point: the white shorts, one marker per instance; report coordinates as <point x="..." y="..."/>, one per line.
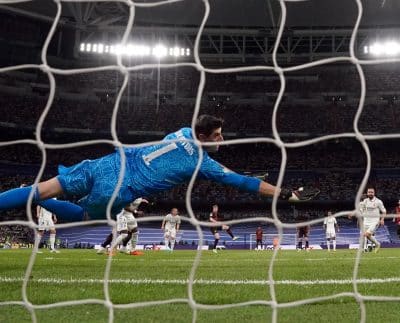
<point x="126" y="222"/>
<point x="170" y="233"/>
<point x="330" y="234"/>
<point x="45" y="223"/>
<point x="371" y="227"/>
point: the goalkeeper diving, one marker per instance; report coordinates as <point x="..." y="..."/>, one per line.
<point x="148" y="170"/>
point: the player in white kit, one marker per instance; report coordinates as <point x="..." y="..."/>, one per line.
<point x="126" y="224"/>
<point x="331" y="227"/>
<point x="127" y="228"/>
<point x="46" y="221"/>
<point x="170" y="225"/>
<point x="373" y="212"/>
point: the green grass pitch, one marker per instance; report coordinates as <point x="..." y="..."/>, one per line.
<point x="230" y="277"/>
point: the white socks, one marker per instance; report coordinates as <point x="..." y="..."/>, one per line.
<point x="119" y="239"/>
<point x="52" y="240"/>
<point x="134" y="240"/>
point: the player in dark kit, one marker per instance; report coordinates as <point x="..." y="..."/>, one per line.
<point x="302" y="235"/>
<point x="259" y="238"/>
<point x="396" y="219"/>
<point x="214" y="230"/>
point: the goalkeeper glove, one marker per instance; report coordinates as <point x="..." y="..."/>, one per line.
<point x="299" y="195"/>
<point x="263" y="176"/>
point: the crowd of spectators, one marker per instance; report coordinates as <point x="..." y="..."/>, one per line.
<point x="258" y="157"/>
<point x="184" y="81"/>
<point x="16" y="235"/>
<point x="159" y="102"/>
<point x="243" y="120"/>
<point x="165" y="101"/>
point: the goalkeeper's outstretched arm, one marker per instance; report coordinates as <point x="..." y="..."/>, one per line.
<point x="298" y="195"/>
<point x="212" y="170"/>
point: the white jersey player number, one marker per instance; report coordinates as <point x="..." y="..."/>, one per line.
<point x="159" y="152"/>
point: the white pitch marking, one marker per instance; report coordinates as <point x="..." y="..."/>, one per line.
<point x="144" y="281"/>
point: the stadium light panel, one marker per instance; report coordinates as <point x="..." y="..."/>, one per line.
<point x="376" y="49"/>
<point x="129" y="50"/>
<point x="142" y="50"/>
<point x="119" y="50"/>
<point x="390" y="48"/>
<point x="160" y="51"/>
<point x="132" y="49"/>
<point x="176" y="51"/>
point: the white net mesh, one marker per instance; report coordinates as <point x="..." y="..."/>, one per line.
<point x="276" y="139"/>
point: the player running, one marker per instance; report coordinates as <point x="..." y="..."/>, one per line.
<point x="214" y="217"/>
<point x="170" y="225"/>
<point x="331" y="227"/>
<point x="373" y="212"/>
<point x="148" y="170"/>
<point x="127" y="228"/>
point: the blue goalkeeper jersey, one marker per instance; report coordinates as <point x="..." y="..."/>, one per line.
<point x="149" y="170"/>
<point x="160" y="167"/>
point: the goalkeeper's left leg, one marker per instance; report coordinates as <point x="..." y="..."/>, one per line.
<point x="18" y="197"/>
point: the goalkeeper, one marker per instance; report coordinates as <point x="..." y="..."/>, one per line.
<point x="148" y="170"/>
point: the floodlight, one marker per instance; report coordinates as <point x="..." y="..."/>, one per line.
<point x="160" y="51"/>
<point x="392" y="48"/>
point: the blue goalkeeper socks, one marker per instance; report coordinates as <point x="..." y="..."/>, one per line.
<point x="18" y="197"/>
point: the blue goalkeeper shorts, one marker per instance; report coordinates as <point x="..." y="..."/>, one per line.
<point x="93" y="182"/>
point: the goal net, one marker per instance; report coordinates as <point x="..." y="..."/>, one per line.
<point x="271" y="301"/>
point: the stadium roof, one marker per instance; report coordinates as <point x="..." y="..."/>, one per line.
<point x="224" y="13"/>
